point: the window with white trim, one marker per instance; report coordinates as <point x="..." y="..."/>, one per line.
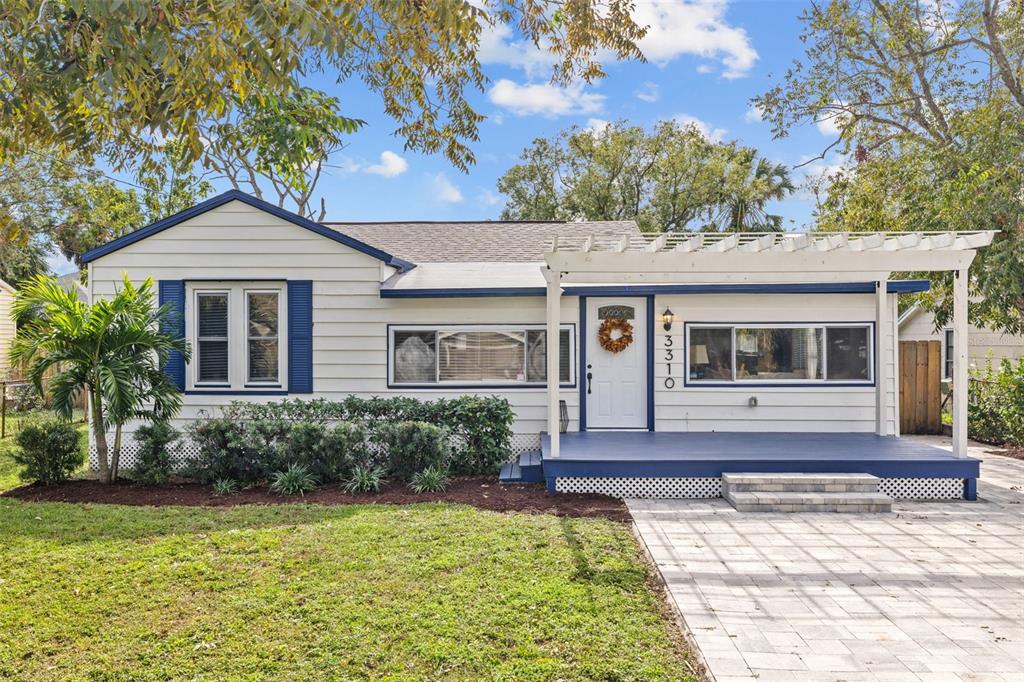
<point x="485" y="355"/>
<point x="803" y="353"/>
<point x="237" y="331"/>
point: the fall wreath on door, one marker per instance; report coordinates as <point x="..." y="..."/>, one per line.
<point x="611" y="343"/>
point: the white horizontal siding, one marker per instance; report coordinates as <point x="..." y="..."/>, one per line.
<point x="985" y="345"/>
<point x="7" y="329"/>
<point x="783" y="408"/>
<point x="350" y="320"/>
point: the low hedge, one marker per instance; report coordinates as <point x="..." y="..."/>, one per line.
<point x="995" y="409"/>
<point x="331" y="439"/>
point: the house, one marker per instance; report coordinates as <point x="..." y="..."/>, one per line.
<point x="680" y="357"/>
<point x="984" y="346"/>
<point x="7" y="327"/>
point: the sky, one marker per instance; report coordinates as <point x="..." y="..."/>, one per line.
<point x="706" y="60"/>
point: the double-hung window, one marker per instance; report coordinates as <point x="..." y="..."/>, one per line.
<point x="237" y="333"/>
<point x="476" y="355"/>
<point x="803" y="353"/>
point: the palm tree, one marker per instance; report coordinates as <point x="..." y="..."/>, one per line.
<point x="753" y="184"/>
<point x="112" y="349"/>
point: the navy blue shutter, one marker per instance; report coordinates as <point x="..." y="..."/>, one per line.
<point x="172" y="293"/>
<point x="300" y="336"/>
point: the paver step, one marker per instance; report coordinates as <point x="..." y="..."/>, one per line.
<point x="530" y="467"/>
<point x="799" y="483"/>
<point x="761" y="501"/>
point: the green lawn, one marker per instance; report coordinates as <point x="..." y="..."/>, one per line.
<point x="308" y="592"/>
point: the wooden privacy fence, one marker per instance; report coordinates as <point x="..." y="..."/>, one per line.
<point x="920" y="387"/>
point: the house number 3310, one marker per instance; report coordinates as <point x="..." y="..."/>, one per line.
<point x="670" y="381"/>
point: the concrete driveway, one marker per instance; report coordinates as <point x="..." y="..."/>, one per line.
<point x="931" y="591"/>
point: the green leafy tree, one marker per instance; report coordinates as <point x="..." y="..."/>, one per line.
<point x="52" y="202"/>
<point x="670" y="178"/>
<point x="107" y="79"/>
<point x="929" y="103"/>
<point x="283" y="143"/>
<point x="112" y="349"/>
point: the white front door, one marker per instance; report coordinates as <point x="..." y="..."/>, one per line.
<point x="616" y="383"/>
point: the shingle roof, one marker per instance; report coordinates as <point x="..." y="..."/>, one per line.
<point x="484" y="241"/>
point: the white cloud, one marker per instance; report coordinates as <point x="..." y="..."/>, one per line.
<point x="674" y="28"/>
<point x="544" y="98"/>
<point x="596" y="126"/>
<point x="818" y="174"/>
<point x="488" y="198"/>
<point x="497" y="46"/>
<point x="754" y="114"/>
<point x="648" y="92"/>
<point x="391" y="164"/>
<point x="830" y="120"/>
<point x="696" y="27"/>
<point x="445" y="190"/>
<point x="703" y="127"/>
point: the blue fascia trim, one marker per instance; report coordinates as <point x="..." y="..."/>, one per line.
<point x="650" y="363"/>
<point x="488" y="292"/>
<point x="235" y="392"/>
<point x="965" y="468"/>
<point x="236" y="195"/>
<point x="893" y="287"/>
<point x="581" y="375"/>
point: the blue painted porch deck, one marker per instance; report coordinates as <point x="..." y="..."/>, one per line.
<point x="663" y="454"/>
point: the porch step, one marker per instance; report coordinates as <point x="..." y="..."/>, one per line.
<point x="809" y="502"/>
<point x="800" y="483"/>
<point x="510" y="473"/>
<point x="804" y="492"/>
<point x="528" y="469"/>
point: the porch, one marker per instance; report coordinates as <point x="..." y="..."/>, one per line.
<point x="610" y="461"/>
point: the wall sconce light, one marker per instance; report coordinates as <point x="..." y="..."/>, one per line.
<point x="667" y="317"/>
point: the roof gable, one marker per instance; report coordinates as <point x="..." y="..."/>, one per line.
<point x="235" y="195"/>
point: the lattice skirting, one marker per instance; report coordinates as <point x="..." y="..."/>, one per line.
<point x="521" y="442"/>
<point x="707" y="488"/>
<point x="647" y="488"/>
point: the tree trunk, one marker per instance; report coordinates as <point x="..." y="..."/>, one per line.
<point x="100" y="435"/>
<point x="115" y="459"/>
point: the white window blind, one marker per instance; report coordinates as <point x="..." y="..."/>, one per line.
<point x="212" y="337"/>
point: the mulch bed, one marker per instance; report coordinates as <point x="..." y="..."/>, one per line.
<point x="482" y="492"/>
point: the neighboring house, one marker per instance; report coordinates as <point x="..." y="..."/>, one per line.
<point x="72" y="281"/>
<point x="275" y="305"/>
<point x="985" y="345"/>
<point x="7" y="327"/>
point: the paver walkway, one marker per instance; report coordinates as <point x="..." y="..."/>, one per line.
<point x="931" y="591"/>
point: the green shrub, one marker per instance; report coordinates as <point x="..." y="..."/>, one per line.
<point x="433" y="479"/>
<point x="410" y="447"/>
<point x="328" y="453"/>
<point x="25" y="398"/>
<point x="995" y="410"/>
<point x="295" y="480"/>
<point x="243" y="451"/>
<point x="154" y="445"/>
<point x="365" y="479"/>
<point x="480" y="426"/>
<point x="49" y="451"/>
<point x="225" y="487"/>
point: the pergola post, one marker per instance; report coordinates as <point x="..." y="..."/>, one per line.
<point x="960" y="355"/>
<point x="554" y="308"/>
<point x="881" y="363"/>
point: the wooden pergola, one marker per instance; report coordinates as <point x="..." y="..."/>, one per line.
<point x="769" y="258"/>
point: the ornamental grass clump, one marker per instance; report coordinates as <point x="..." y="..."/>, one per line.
<point x="433" y="479"/>
<point x="295" y="480"/>
<point x="365" y="479"/>
<point x="223" y="487"/>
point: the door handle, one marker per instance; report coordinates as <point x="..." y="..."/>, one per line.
<point x="590" y="376"/>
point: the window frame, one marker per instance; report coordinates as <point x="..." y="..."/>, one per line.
<point x="199" y="293"/>
<point x="238" y="335"/>
<point x="456" y="328"/>
<point x="824" y="382"/>
<point x="947" y="357"/>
